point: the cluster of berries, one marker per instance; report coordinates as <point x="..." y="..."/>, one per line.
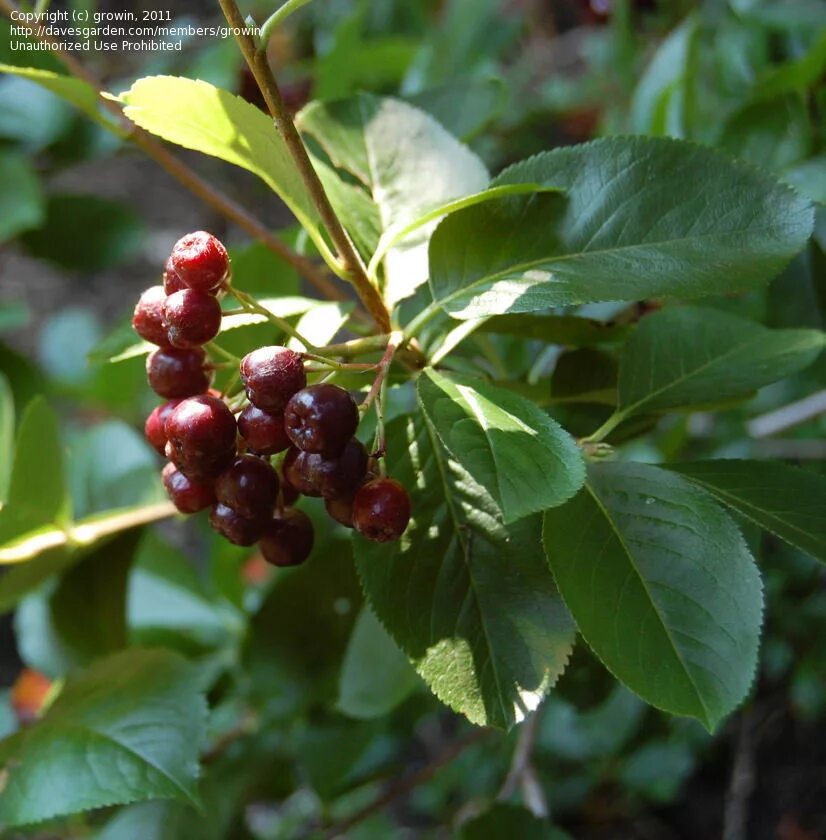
<point x="217" y="461"/>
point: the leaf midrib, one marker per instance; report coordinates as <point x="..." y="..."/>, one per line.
<point x="465" y="548"/>
<point x="531" y="264"/>
<point x="711" y="362"/>
<point x="748" y="508"/>
<point x="615" y="529"/>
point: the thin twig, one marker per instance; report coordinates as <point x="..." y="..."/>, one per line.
<point x="407" y="783"/>
<point x="789" y="416"/>
<point x="351" y="263"/>
<point x="383" y="367"/>
<point x="521" y="773"/>
<point x="187" y="177"/>
<point x="743" y="780"/>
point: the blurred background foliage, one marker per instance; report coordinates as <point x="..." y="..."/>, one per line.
<point x="313" y="709"/>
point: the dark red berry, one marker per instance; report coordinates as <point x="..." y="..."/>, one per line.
<point x="173" y="372"/>
<point x="341" y="510"/>
<point x="264" y="432"/>
<point x="171" y="282"/>
<point x="249" y="487"/>
<point x="289" y="495"/>
<point x="301" y="472"/>
<point x="191" y="318"/>
<point x="147" y="320"/>
<point x="322" y="418"/>
<point x="341" y="477"/>
<point x="187" y="495"/>
<point x="201" y="435"/>
<point x="288" y="539"/>
<point x="201" y="261"/>
<point x="154" y="426"/>
<point x="381" y="510"/>
<point x="236" y="528"/>
<point x="271" y="375"/>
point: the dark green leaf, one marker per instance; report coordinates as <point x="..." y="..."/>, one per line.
<point x="522" y="458"/>
<point x="631" y="225"/>
<point x="688" y="356"/>
<point x="469" y="600"/>
<point x="463" y="106"/>
<point x="376" y="676"/>
<point x="80" y="619"/>
<point x="787" y="501"/>
<point x="662" y="587"/>
<point x="504" y="820"/>
<point x="64" y="237"/>
<point x="128" y="729"/>
<point x="21" y="199"/>
<point x="567" y="330"/>
<point x="37" y="490"/>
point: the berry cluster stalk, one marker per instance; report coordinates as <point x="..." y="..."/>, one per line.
<point x="352" y="265"/>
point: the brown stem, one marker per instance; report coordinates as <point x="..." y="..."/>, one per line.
<point x="383" y="367"/>
<point x="187" y="177"/>
<point x="348" y="256"/>
<point x="406" y="784"/>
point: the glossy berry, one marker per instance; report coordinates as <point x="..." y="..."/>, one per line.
<point x="249" y="487"/>
<point x="341" y="510"/>
<point x="322" y="418"/>
<point x="289" y="495"/>
<point x="288" y="539"/>
<point x="300" y="470"/>
<point x="171" y="282"/>
<point x="201" y="435"/>
<point x="341" y="477"/>
<point x="264" y="432"/>
<point x="271" y="375"/>
<point x="191" y="318"/>
<point x="154" y="426"/>
<point x="147" y="319"/>
<point x="238" y="529"/>
<point x="200" y="261"/>
<point x="187" y="495"/>
<point x="174" y="373"/>
<point x="381" y="510"/>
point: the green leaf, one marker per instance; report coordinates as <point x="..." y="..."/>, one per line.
<point x="787" y="501"/>
<point x="298" y="637"/>
<point x="168" y="601"/>
<point x="505" y="820"/>
<point x="64" y="236"/>
<point x="199" y="116"/>
<point x="82" y="617"/>
<point x="322" y="323"/>
<point x="688" y="356"/>
<point x="468" y="599"/>
<point x="662" y="101"/>
<point x="631" y="225"/>
<point x="662" y="586"/>
<point x="74" y="91"/>
<point x="585" y="376"/>
<point x="387" y="145"/>
<point x="6" y="437"/>
<point x="376" y="676"/>
<point x="127" y="729"/>
<point x="21" y="199"/>
<point x="522" y="458"/>
<point x="463" y="106"/>
<point x="566" y="330"/>
<point x="36" y="496"/>
<point x="112" y="467"/>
